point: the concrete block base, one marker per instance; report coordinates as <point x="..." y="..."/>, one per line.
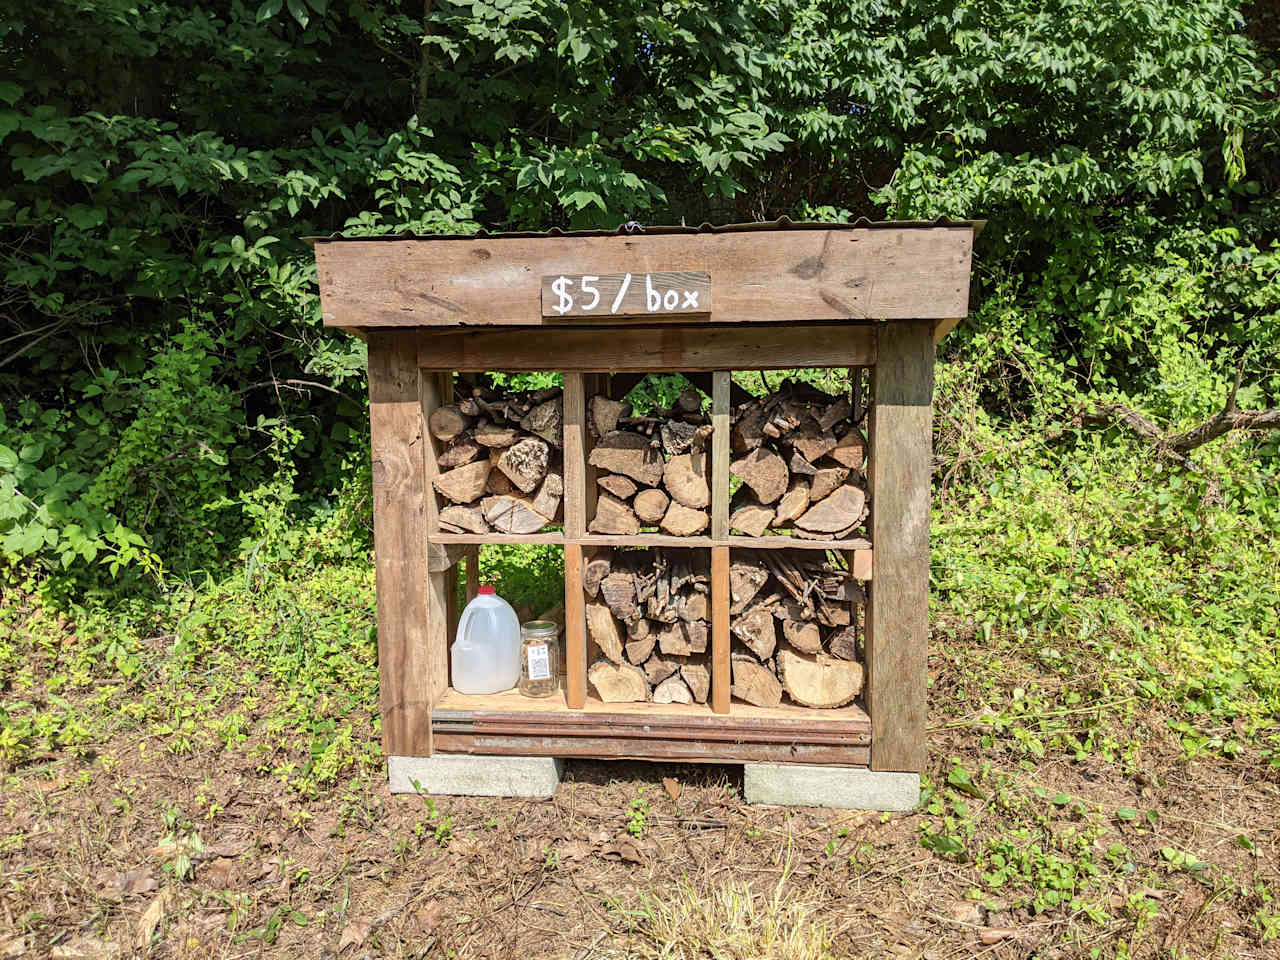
<point x="848" y="788"/>
<point x="465" y="775"/>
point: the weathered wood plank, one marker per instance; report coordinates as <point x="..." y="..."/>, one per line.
<point x="472" y="556"/>
<point x="575" y="629"/>
<point x="648" y="349"/>
<point x="626" y="748"/>
<point x="897" y="633"/>
<point x="720" y="390"/>
<point x="407" y="683"/>
<point x="576" y="443"/>
<point x="720" y="675"/>
<point x="761" y="277"/>
<point x="618" y="296"/>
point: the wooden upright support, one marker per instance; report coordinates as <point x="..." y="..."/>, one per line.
<point x="898" y="612"/>
<point x="406" y="672"/>
<point x="721" y="383"/>
<point x="720" y="675"/>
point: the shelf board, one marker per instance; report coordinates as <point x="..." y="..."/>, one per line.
<point x="557" y="538"/>
<point x="554" y="538"/>
<point x="782" y="541"/>
<point x="646" y="540"/>
<point x="508" y="722"/>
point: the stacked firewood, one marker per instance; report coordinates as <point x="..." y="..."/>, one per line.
<point x="500" y="461"/>
<point x="794" y="629"/>
<point x="799" y="454"/>
<point x="648" y="612"/>
<point x="651" y="470"/>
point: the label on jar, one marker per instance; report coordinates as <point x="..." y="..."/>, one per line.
<point x="539" y="663"/>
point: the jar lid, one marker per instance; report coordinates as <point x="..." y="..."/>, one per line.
<point x="540" y="628"/>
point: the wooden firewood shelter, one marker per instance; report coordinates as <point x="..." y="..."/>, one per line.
<point x="708" y="301"/>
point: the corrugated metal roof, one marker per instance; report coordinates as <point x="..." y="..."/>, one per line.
<point x="632" y="228"/>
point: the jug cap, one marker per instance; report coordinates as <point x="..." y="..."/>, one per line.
<point x="486" y="590"/>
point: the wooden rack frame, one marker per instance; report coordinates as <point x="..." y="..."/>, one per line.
<point x="783" y="300"/>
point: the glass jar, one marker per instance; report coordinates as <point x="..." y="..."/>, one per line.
<point x="538" y="656"/>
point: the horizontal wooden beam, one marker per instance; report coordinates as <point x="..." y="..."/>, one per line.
<point x="757" y="277"/>
<point x="651" y="349"/>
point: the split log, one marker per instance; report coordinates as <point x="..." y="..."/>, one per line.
<point x="793" y="503"/>
<point x="525" y="463"/>
<point x="677" y="436"/>
<point x="595" y="570"/>
<point x="603" y="414"/>
<point x="755" y="628"/>
<point x="689" y="401"/>
<point x="800" y="466"/>
<point x="657" y="668"/>
<point x="751" y="518"/>
<point x="465" y="483"/>
<point x="618" y="590"/>
<point x="460" y="450"/>
<point x="812" y="442"/>
<point x="447" y="422"/>
<point x="748" y="430"/>
<point x="546" y="420"/>
<point x="844" y="644"/>
<point x="680" y="521"/>
<point x="614" y="517"/>
<point x="492" y="435"/>
<point x="693" y="606"/>
<point x="685" y="478"/>
<point x="819" y="681"/>
<point x="618" y="682"/>
<point x="825" y="481"/>
<point x="672" y="690"/>
<point x="512" y="514"/>
<point x="746" y="577"/>
<point x="604" y="630"/>
<point x="805" y="637"/>
<point x="850" y="451"/>
<point x="764" y="472"/>
<point x="465" y="518"/>
<point x="754" y="683"/>
<point x="638" y="651"/>
<point x="618" y="485"/>
<point x="628" y="454"/>
<point x="681" y="638"/>
<point x="842" y="409"/>
<point x="697" y="674"/>
<point x="638" y="628"/>
<point x="499" y="484"/>
<point x="547" y="499"/>
<point x="650" y="505"/>
<point x="838" y="512"/>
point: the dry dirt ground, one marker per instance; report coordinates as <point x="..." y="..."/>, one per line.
<point x="205" y="855"/>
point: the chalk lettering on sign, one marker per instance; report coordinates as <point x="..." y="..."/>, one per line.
<point x="626" y="294"/>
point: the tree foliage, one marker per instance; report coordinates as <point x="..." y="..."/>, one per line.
<point x="170" y="397"/>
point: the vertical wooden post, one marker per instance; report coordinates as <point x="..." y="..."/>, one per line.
<point x="400" y="544"/>
<point x="897" y="635"/>
<point x="435" y="390"/>
<point x="575" y="458"/>
<point x="720" y="675"/>
<point x="575" y="629"/>
<point x="472" y="555"/>
<point x="721" y="381"/>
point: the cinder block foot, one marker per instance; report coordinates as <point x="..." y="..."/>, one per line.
<point x="465" y="775"/>
<point x="848" y="788"/>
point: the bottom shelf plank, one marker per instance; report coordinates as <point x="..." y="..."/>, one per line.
<point x="507" y="723"/>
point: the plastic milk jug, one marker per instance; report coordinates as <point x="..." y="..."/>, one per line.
<point x="486" y="652"/>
